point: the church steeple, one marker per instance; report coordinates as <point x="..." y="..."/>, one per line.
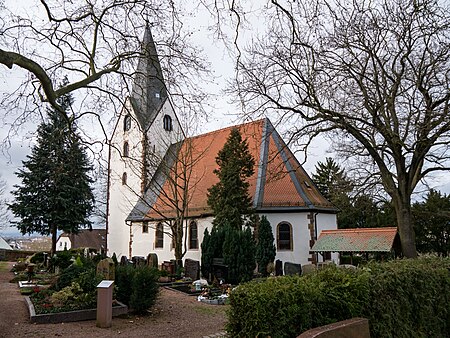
<point x="149" y="91"/>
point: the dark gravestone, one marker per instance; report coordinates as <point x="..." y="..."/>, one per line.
<point x="138" y="261"/>
<point x="192" y="269"/>
<point x="169" y="267"/>
<point x="291" y="269"/>
<point x="123" y="260"/>
<point x="219" y="269"/>
<point x="278" y="268"/>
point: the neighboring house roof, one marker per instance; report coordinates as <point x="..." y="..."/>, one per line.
<point x="357" y="240"/>
<point x="149" y="91"/>
<point x="4" y="245"/>
<point x="278" y="184"/>
<point x="94" y="239"/>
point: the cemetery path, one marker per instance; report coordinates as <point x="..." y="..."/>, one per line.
<point x="174" y="315"/>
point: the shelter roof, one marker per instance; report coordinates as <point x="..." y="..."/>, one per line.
<point x="356" y="240"/>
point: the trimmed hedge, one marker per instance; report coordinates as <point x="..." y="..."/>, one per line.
<point x="402" y="298"/>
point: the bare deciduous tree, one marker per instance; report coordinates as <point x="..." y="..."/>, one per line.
<point x="95" y="44"/>
<point x="170" y="190"/>
<point x="372" y="75"/>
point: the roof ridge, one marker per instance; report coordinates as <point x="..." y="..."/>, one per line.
<point x="217" y="131"/>
<point x="374" y="229"/>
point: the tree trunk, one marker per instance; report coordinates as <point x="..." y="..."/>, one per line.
<point x="54" y="239"/>
<point x="405" y="228"/>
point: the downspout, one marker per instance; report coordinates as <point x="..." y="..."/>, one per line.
<point x="108" y="183"/>
<point x="315" y="235"/>
<point x="130" y="243"/>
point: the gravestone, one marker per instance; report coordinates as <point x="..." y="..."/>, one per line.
<point x="291" y="269"/>
<point x="152" y="260"/>
<point x="169" y="267"/>
<point x="123" y="260"/>
<point x="138" y="261"/>
<point x="192" y="269"/>
<point x="308" y="268"/>
<point x="106" y="269"/>
<point x="278" y="268"/>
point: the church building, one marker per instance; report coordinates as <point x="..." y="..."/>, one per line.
<point x="157" y="176"/>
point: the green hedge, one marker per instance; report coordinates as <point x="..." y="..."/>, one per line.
<point x="404" y="298"/>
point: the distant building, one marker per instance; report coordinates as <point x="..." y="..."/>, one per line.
<point x="4" y="245"/>
<point x="92" y="239"/>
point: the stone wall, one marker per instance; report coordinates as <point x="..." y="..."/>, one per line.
<point x="351" y="328"/>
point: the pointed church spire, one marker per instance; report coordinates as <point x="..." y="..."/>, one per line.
<point x="149" y="90"/>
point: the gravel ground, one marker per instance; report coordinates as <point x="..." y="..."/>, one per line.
<point x="174" y="315"/>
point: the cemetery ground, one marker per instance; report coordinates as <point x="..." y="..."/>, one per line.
<point x="174" y="315"/>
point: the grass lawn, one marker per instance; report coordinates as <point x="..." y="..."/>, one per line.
<point x="4" y="266"/>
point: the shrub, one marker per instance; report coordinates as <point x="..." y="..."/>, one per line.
<point x="123" y="280"/>
<point x="37" y="258"/>
<point x="62" y="259"/>
<point x="137" y="287"/>
<point x="145" y="289"/>
<point x="401" y="299"/>
<point x="67" y="276"/>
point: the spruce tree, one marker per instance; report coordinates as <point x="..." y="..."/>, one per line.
<point x="55" y="193"/>
<point x="265" y="247"/>
<point x="229" y="198"/>
<point x="232" y="206"/>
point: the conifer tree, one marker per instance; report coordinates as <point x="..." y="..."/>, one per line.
<point x="232" y="206"/>
<point x="265" y="247"/>
<point x="55" y="193"/>
<point x="229" y="198"/>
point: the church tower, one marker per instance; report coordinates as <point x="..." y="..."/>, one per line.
<point x="146" y="128"/>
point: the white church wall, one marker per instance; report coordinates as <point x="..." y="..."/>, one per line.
<point x="300" y="236"/>
<point x="144" y="243"/>
<point x="123" y="197"/>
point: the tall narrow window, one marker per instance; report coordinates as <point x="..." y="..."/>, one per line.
<point x="167" y="123"/>
<point x="193" y="235"/>
<point x="124" y="179"/>
<point x="159" y="236"/>
<point x="126" y="149"/>
<point x="284" y="236"/>
<point x="127" y="122"/>
<point x="145" y="227"/>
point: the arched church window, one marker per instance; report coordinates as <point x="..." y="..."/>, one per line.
<point x="127" y="122"/>
<point x="159" y="236"/>
<point x="126" y="149"/>
<point x="193" y="235"/>
<point x="284" y="236"/>
<point x="124" y="179"/>
<point x="167" y="123"/>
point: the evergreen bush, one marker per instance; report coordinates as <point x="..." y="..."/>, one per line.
<point x="137" y="287"/>
<point x="403" y="298"/>
<point x="144" y="289"/>
<point x="123" y="282"/>
<point x="265" y="247"/>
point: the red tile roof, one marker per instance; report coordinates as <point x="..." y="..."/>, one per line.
<point x="356" y="240"/>
<point x="279" y="180"/>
